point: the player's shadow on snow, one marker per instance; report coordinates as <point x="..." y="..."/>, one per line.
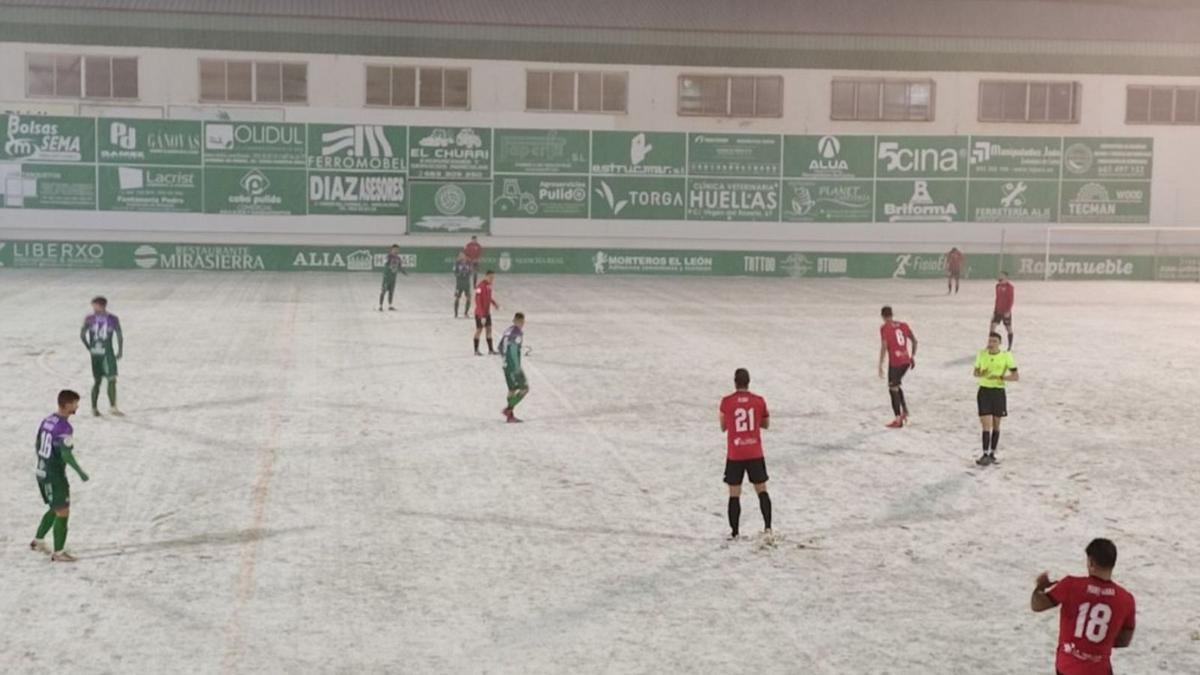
<point x="207" y="539"/>
<point x="510" y="522"/>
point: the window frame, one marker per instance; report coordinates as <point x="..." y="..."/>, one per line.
<point x="83" y="86"/>
<point x="1076" y="101"/>
<point x="254" y="65"/>
<point x="729" y="77"/>
<point x="416" y="68"/>
<point x="881" y="83"/>
<point x="551" y="72"/>
<point x="1150" y="89"/>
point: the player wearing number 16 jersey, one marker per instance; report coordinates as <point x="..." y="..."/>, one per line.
<point x="1097" y="615"/>
<point x="743" y="417"/>
<point x="894" y="340"/>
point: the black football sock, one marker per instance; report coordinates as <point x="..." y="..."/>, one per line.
<point x="895" y="401"/>
<point x="764" y="505"/>
<point x="456" y="307"/>
<point x="987" y="439"/>
<point x="1010" y="341"/>
<point x="903" y="403"/>
<point x="490" y="347"/>
<point x="381" y="294"/>
<point x="995" y="439"/>
<point x="477" y="345"/>
<point x="96" y="394"/>
<point x="391" y="297"/>
<point x="735" y="514"/>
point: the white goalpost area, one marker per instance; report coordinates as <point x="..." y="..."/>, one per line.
<point x="1171" y="253"/>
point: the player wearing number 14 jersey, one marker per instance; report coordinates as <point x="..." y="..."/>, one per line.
<point x="743" y="417"/>
<point x="1097" y="615"/>
<point x="894" y="340"/>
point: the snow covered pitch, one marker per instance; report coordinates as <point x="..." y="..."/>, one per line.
<point x="303" y="484"/>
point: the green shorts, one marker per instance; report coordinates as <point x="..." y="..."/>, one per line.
<point x="389" y="282"/>
<point x="516" y="380"/>
<point x="462" y="285"/>
<point x="56" y="491"/>
<point x="104" y="365"/>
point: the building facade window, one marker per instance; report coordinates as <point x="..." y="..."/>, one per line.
<point x="78" y="76"/>
<point x="869" y="100"/>
<point x="731" y="95"/>
<point x="576" y="91"/>
<point x="418" y="87"/>
<point x="1162" y="105"/>
<point x="1047" y="102"/>
<point x="253" y="81"/>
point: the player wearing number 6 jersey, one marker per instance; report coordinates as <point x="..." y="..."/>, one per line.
<point x="895" y="338"/>
<point x="743" y="417"/>
<point x="1097" y="615"/>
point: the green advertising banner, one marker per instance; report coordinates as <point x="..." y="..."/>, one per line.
<point x="828" y="201"/>
<point x="48" y="186"/>
<point x="139" y="141"/>
<point x="455" y="153"/>
<point x="540" y="197"/>
<point x="1015" y="157"/>
<point x="1105" y="202"/>
<point x="829" y="156"/>
<point x="154" y="188"/>
<point x="920" y="201"/>
<point x="338" y="193"/>
<point x="643" y="153"/>
<point x="440" y="260"/>
<point x="260" y="144"/>
<point x="1013" y="201"/>
<point x="373" y="148"/>
<point x="257" y="192"/>
<point x="1111" y="158"/>
<point x="750" y="155"/>
<point x="635" y="198"/>
<point x="449" y="207"/>
<point x="921" y="157"/>
<point x="43" y="138"/>
<point x="541" y="151"/>
<point x="732" y="199"/>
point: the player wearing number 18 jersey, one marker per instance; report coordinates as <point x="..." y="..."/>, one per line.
<point x="894" y="340"/>
<point x="1097" y="615"/>
<point x="743" y="416"/>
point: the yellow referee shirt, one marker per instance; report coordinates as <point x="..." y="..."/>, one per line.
<point x="994" y="367"/>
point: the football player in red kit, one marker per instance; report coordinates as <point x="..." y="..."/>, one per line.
<point x="894" y="340"/>
<point x="1097" y="615"/>
<point x="954" y="270"/>
<point x="743" y="416"/>
<point x="484" y="303"/>
<point x="1004" y="305"/>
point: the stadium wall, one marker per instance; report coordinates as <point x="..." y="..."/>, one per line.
<point x="168" y="88"/>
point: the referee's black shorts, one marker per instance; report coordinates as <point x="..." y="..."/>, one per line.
<point x="992" y="402"/>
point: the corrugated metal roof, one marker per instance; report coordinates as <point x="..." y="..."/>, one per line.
<point x="1066" y="20"/>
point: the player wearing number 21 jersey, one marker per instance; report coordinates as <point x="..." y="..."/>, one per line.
<point x="895" y="340"/>
<point x="1096" y="614"/>
<point x="743" y="416"/>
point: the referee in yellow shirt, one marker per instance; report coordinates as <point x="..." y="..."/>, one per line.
<point x="994" y="367"/>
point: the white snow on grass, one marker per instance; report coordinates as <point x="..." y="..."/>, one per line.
<point x="304" y="484"/>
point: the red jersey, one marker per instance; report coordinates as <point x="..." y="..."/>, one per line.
<point x="896" y="335"/>
<point x="474" y="252"/>
<point x="954" y="261"/>
<point x="1004" y="297"/>
<point x="483" y="299"/>
<point x="1092" y="613"/>
<point x="744" y="414"/>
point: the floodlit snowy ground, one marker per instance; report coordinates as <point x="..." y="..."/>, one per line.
<point x="306" y="485"/>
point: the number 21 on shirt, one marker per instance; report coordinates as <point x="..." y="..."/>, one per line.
<point x="744" y="420"/>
